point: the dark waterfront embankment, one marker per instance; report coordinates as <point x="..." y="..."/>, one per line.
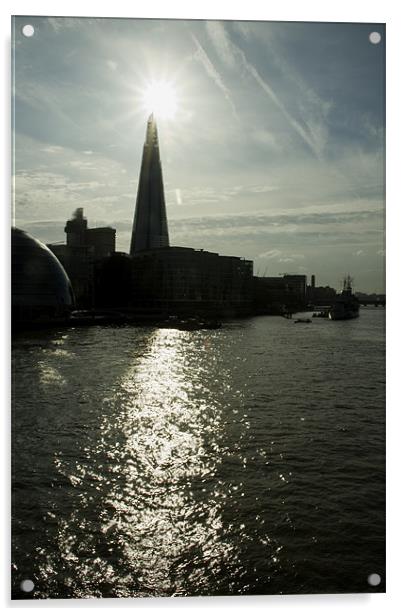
<point x="245" y="459"/>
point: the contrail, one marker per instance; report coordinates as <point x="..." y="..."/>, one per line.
<point x="213" y="73"/>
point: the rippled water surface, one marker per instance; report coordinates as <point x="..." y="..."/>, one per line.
<point x="157" y="462"/>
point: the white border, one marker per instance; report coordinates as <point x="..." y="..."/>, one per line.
<point x="378" y="11"/>
<point x="292" y="10"/>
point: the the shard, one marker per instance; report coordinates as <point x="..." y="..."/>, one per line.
<point x="150" y="229"/>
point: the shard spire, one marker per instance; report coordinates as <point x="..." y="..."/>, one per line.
<point x="150" y="229"/>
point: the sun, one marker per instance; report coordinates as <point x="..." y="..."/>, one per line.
<point x="160" y="98"/>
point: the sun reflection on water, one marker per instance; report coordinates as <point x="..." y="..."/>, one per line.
<point x="167" y="413"/>
<point x="159" y="525"/>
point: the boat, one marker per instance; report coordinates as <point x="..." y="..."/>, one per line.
<point x="322" y="314"/>
<point x="346" y="304"/>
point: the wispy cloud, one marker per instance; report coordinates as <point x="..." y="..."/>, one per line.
<point x="210" y="69"/>
<point x="58" y="24"/>
<point x="324" y="226"/>
<point x="222" y="43"/>
<point x="52" y="149"/>
<point x="292" y="258"/>
<point x="112" y="65"/>
<point x="312" y="139"/>
<point x="311" y="128"/>
<point x="269" y="254"/>
<point x="262" y="188"/>
<point x="208" y="194"/>
<point x="49" y="97"/>
<point x="264" y="137"/>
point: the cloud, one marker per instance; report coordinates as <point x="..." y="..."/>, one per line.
<point x="52" y="149"/>
<point x="313" y="137"/>
<point x="211" y="71"/>
<point x="291" y="258"/>
<point x="58" y="24"/>
<point x="198" y="195"/>
<point x="59" y="183"/>
<point x="311" y="128"/>
<point x="325" y="228"/>
<point x="264" y="137"/>
<point x="290" y="219"/>
<point x="270" y="254"/>
<point x="49" y="99"/>
<point x="262" y="188"/>
<point x="221" y="41"/>
<point x="246" y="29"/>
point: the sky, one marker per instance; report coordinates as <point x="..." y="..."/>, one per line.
<point x="275" y="153"/>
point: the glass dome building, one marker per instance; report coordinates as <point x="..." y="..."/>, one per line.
<point x="41" y="289"/>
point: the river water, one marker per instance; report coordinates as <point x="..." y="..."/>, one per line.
<point x="156" y="462"/>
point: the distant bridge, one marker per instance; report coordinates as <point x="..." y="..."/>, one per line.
<point x="363" y="302"/>
<point x="372" y="302"/>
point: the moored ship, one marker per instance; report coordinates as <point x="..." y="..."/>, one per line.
<point x="346" y="304"/>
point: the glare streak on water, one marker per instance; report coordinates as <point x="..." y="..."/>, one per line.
<point x="159" y="462"/>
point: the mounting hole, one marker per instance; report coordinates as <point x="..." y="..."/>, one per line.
<point x="374" y="579"/>
<point x="375" y="38"/>
<point x="28" y="30"/>
<point x="27" y="585"/>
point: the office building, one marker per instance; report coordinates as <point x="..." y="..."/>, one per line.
<point x="83" y="248"/>
<point x="296" y="285"/>
<point x="179" y="280"/>
<point x="150" y="229"/>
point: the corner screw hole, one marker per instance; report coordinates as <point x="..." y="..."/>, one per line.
<point x="375" y="38"/>
<point x="374" y="579"/>
<point x="27" y="585"/>
<point x="28" y="30"/>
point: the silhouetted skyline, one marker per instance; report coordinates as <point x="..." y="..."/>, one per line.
<point x="275" y="151"/>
